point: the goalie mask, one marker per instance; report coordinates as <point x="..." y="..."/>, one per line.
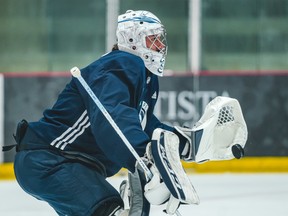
<point x="141" y="33"/>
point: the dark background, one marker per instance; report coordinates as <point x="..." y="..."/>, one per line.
<point x="263" y="100"/>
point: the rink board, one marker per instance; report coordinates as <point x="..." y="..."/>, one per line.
<point x="245" y="165"/>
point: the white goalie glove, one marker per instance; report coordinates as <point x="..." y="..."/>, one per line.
<point x="220" y="134"/>
<point x="169" y="182"/>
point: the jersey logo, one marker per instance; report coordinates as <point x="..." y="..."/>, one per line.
<point x="143" y="114"/>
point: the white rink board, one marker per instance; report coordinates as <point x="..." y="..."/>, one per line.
<point x="220" y="195"/>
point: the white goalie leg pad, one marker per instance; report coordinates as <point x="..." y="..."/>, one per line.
<point x="132" y="194"/>
<point x="221" y="127"/>
<point x="139" y="206"/>
<point x="124" y="191"/>
<point x="165" y="154"/>
<point x="156" y="192"/>
<point x="172" y="206"/>
<point x="121" y="212"/>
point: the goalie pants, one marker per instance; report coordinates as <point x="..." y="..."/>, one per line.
<point x="70" y="188"/>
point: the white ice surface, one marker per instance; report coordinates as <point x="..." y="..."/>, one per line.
<point x="220" y="195"/>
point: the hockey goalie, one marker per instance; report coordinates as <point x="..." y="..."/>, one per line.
<point x="220" y="134"/>
<point x="103" y="121"/>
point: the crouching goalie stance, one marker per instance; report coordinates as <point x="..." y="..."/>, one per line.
<point x="103" y="120"/>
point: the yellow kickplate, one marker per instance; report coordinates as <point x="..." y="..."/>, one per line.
<point x="6" y="171"/>
<point x="244" y="165"/>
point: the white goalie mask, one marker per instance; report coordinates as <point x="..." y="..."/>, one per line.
<point x="141" y="33"/>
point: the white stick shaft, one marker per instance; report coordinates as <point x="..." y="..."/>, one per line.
<point x="77" y="74"/>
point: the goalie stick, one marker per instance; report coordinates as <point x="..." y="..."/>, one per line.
<point x="75" y="71"/>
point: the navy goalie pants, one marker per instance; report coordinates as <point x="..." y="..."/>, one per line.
<point x="72" y="189"/>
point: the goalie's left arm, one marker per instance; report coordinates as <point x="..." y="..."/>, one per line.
<point x="220" y="134"/>
<point x="154" y="123"/>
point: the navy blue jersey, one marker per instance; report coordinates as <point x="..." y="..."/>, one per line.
<point x="128" y="92"/>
